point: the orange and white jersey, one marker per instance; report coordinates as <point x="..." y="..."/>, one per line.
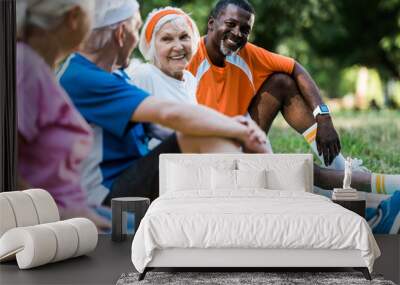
<point x="229" y="89"/>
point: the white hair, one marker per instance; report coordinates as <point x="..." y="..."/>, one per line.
<point x="109" y="12"/>
<point x="108" y="16"/>
<point x="100" y="37"/>
<point x="148" y="49"/>
<point x="46" y="14"/>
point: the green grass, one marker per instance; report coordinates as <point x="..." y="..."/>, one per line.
<point x="372" y="136"/>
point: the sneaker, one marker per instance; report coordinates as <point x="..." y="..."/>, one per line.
<point x="387" y="216"/>
<point x="356" y="165"/>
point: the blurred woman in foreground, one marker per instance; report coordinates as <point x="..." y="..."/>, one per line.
<point x="53" y="138"/>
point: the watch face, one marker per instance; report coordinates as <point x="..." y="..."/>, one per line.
<point x="324" y="108"/>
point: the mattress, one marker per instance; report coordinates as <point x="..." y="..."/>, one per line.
<point x="252" y="219"/>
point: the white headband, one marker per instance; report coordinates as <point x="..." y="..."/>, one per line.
<point x="110" y="12"/>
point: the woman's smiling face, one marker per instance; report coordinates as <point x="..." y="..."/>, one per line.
<point x="173" y="48"/>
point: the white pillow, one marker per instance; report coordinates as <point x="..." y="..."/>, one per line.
<point x="282" y="174"/>
<point x="223" y="179"/>
<point x="251" y="178"/>
<point x="182" y="177"/>
<point x="186" y="174"/>
<point x="294" y="180"/>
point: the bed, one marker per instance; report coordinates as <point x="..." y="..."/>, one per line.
<point x="246" y="211"/>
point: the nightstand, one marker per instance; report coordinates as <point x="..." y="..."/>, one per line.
<point x="357" y="206"/>
<point x="120" y="206"/>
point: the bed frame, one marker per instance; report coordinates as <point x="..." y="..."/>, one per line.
<point x="249" y="259"/>
<point x="246" y="259"/>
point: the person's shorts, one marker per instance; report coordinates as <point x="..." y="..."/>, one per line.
<point x="141" y="178"/>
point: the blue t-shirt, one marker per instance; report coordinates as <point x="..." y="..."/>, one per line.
<point x="107" y="101"/>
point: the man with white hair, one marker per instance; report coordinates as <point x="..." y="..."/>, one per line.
<point x="120" y="163"/>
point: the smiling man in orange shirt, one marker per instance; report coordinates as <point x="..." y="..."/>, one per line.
<point x="236" y="77"/>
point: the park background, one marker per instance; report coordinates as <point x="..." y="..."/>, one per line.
<point x="351" y="49"/>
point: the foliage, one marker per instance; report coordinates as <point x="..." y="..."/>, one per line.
<point x="394" y="90"/>
<point x="198" y="9"/>
<point x="358" y="32"/>
<point x="328" y="36"/>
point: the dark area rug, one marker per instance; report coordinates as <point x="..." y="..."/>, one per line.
<point x="243" y="278"/>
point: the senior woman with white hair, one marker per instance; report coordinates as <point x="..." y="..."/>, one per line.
<point x="53" y="138"/>
<point x="121" y="163"/>
<point x="168" y="40"/>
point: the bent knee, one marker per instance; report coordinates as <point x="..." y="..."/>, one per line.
<point x="206" y="144"/>
<point x="278" y="82"/>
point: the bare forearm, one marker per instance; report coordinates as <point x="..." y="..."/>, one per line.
<point x="202" y="121"/>
<point x="189" y="119"/>
<point x="309" y="91"/>
<point x="327" y="139"/>
<point x="307" y="86"/>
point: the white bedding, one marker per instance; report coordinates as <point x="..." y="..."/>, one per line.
<point x="251" y="218"/>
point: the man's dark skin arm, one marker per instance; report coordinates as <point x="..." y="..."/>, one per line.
<point x="327" y="139"/>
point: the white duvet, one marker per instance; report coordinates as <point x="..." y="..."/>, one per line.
<point x="250" y="219"/>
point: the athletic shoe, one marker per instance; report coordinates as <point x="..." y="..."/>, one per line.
<point x="387" y="216"/>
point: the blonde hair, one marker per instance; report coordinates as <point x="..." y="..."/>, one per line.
<point x="46" y="14"/>
<point x="148" y="49"/>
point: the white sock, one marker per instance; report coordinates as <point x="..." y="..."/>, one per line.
<point x="309" y="135"/>
<point x="385" y="183"/>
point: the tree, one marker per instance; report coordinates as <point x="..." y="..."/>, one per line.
<point x="358" y="32"/>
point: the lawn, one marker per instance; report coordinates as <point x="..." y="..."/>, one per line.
<point x="372" y="136"/>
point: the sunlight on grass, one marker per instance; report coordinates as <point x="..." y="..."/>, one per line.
<point x="372" y="136"/>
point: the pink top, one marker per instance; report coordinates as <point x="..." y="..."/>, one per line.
<point x="53" y="137"/>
